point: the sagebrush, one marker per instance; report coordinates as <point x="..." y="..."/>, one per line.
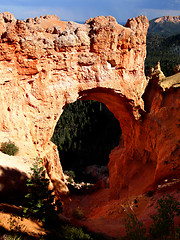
<point x="40" y="201"/>
<point x="9" y="148"/>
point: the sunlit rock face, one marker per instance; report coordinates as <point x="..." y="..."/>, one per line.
<point x="46" y="63"/>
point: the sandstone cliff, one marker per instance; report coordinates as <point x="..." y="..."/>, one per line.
<point x="46" y="63"/>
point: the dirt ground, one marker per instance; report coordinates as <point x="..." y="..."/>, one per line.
<point x="103" y="216"/>
<point x="96" y="212"/>
<point x="9" y="221"/>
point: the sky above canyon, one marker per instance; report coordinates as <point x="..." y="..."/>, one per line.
<point x="80" y="10"/>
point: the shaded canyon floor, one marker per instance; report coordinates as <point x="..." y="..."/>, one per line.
<point x="99" y="214"/>
<point x="103" y="216"/>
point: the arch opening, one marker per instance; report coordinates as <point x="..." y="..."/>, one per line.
<point x="121" y="158"/>
<point x="85" y="134"/>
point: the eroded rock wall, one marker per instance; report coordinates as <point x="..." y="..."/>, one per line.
<point x="46" y="63"/>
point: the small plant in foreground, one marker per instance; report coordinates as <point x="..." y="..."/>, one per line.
<point x="40" y="203"/>
<point x="73" y="233"/>
<point x="12" y="237"/>
<point x="77" y="213"/>
<point x="134" y="228"/>
<point x="9" y="148"/>
<point x="70" y="174"/>
<point x="163" y="222"/>
<point x="177" y="232"/>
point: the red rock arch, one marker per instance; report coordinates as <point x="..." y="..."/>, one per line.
<point x="46" y="64"/>
<point x="129" y="168"/>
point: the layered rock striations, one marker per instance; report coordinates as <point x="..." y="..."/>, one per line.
<point x="46" y="63"/>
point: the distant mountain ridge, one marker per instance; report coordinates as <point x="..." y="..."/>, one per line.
<point x="165" y="26"/>
<point x="175" y="19"/>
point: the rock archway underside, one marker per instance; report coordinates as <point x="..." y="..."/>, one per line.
<point x="46" y="63"/>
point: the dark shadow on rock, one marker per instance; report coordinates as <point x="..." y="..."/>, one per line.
<point x="12" y="185"/>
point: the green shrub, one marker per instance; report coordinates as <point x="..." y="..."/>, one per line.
<point x="12" y="237"/>
<point x="77" y="213"/>
<point x="40" y="202"/>
<point x="177" y="232"/>
<point x="134" y="228"/>
<point x="163" y="222"/>
<point x="9" y="148"/>
<point x="71" y="175"/>
<point x="73" y="233"/>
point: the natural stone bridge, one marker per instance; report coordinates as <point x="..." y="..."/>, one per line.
<point x="46" y="63"/>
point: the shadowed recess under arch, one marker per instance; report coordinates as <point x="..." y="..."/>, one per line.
<point x="85" y="135"/>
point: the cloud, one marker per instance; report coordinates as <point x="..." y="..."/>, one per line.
<point x="23" y="12"/>
<point x="67" y="11"/>
<point x="80" y="10"/>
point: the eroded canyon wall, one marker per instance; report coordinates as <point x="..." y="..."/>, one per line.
<point x="46" y="63"/>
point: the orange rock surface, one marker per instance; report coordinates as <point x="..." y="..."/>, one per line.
<point x="46" y="63"/>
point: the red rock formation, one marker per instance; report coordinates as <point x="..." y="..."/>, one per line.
<point x="46" y="63"/>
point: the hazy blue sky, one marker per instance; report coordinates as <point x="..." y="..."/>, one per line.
<point x="80" y="10"/>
